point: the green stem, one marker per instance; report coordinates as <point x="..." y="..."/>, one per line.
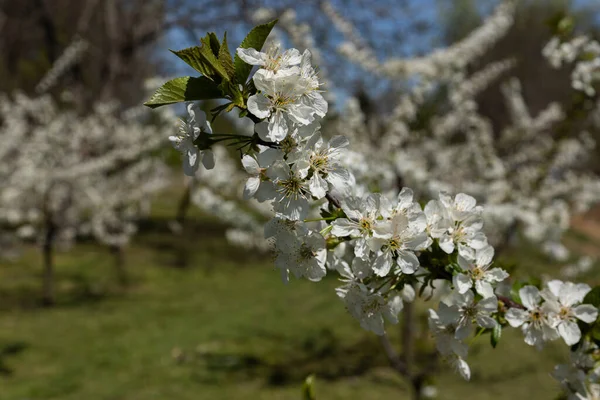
<point x="321" y="219"/>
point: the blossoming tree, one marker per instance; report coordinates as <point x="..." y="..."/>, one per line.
<point x="77" y="175"/>
<point x="386" y="247"/>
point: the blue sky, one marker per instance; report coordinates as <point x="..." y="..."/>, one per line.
<point x="380" y="19"/>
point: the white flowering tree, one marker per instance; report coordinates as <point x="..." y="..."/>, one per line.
<point x="386" y="248"/>
<point x="65" y="175"/>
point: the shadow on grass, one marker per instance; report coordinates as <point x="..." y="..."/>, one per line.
<point x="73" y="290"/>
<point x="9" y="350"/>
<point x="179" y="249"/>
<point x="319" y="353"/>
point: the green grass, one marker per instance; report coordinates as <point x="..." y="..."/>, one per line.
<point x="225" y="327"/>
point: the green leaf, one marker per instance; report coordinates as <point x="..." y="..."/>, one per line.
<point x="193" y="57"/>
<point x="234" y="93"/>
<point x="496" y="334"/>
<point x="225" y="58"/>
<point x="255" y="39"/>
<point x="207" y="50"/>
<point x="185" y="88"/>
<point x="308" y="389"/>
<point x="593" y="297"/>
<point x="213" y="42"/>
<point x="203" y="59"/>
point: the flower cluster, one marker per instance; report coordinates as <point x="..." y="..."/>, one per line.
<point x="84" y="175"/>
<point x="385" y="246"/>
<point x="582" y="50"/>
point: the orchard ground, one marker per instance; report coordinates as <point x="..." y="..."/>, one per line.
<point x="224" y="327"/>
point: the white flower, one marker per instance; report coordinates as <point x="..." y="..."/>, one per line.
<point x="465" y="234"/>
<point x="291" y="199"/>
<point x="443" y="325"/>
<point x="438" y="219"/>
<point x="279" y="101"/>
<point x="370" y="308"/>
<point x="408" y="207"/>
<point x="561" y="305"/>
<point x="460" y="366"/>
<point x="397" y="239"/>
<point x="258" y="184"/>
<point x="579" y="378"/>
<point x="461" y="207"/>
<point x="362" y="215"/>
<point x="469" y="311"/>
<point x="478" y="273"/>
<point x="189" y="130"/>
<point x="323" y="160"/>
<point x="303" y="257"/>
<point x="312" y="96"/>
<point x="273" y="61"/>
<point x="534" y="320"/>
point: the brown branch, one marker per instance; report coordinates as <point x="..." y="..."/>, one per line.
<point x="393" y="357"/>
<point x="510" y="303"/>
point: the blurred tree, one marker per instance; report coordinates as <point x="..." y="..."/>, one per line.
<point x="115" y="34"/>
<point x="532" y="29"/>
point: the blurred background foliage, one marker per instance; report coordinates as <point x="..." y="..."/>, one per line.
<point x="224" y="327"/>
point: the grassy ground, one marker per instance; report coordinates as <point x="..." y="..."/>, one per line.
<point x="223" y="328"/>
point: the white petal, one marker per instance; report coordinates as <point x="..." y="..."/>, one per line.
<point x="462" y="282"/>
<point x="317" y="103"/>
<point x="496" y="275"/>
<point x="251" y="187"/>
<point x="338" y="142"/>
<point x="484" y="256"/>
<point x="292" y="56"/>
<point x="343" y="227"/>
<point x="464" y="202"/>
<point x="278" y="128"/>
<point x="250" y="165"/>
<point x="486" y="322"/>
<point x="463" y="369"/>
<point x="251" y="56"/>
<point x="586" y="312"/>
<point x="405" y="198"/>
<point x="190" y="162"/>
<point x="488" y="305"/>
<point x="554" y="286"/>
<point x="317" y="186"/>
<point x="382" y="264"/>
<point x="530" y="296"/>
<point x="516" y="317"/>
<point x="570" y="332"/>
<point x="407" y="261"/>
<point x="464" y="331"/>
<point x="262" y="128"/>
<point x="484" y="288"/>
<point x="208" y="159"/>
<point x="447" y="244"/>
<point x="571" y="293"/>
<point x="266" y="191"/>
<point x="259" y="105"/>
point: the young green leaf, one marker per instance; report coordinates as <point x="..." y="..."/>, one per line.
<point x="185" y="88"/>
<point x="255" y="39"/>
<point x="232" y="91"/>
<point x="496" y="334"/>
<point x="193" y="57"/>
<point x="308" y="389"/>
<point x="213" y="41"/>
<point x="225" y="58"/>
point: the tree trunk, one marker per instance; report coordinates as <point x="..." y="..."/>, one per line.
<point x="182" y="259"/>
<point x="48" y="295"/>
<point x="119" y="262"/>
